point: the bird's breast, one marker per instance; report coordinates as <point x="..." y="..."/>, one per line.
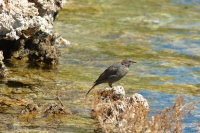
<point x="122" y="71"/>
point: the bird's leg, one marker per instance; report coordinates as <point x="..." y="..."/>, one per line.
<point x="110" y="84"/>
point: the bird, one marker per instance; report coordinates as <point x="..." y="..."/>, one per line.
<point x="113" y="73"/>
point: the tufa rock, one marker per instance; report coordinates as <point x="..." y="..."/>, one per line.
<point x="26" y="30"/>
<point x="113" y="109"/>
<point x="3" y="69"/>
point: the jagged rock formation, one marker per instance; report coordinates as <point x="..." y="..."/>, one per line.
<point x="26" y="30"/>
<point x="112" y="109"/>
<point x="116" y="113"/>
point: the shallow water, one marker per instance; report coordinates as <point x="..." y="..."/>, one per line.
<point x="158" y="101"/>
<point x="162" y="36"/>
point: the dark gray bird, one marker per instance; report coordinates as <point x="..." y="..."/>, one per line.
<point x="113" y="73"/>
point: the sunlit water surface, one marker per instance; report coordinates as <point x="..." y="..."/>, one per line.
<point x="162" y="36"/>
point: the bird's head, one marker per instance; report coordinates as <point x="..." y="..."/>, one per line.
<point x="127" y="62"/>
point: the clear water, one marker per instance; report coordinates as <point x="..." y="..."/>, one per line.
<point x="162" y="36"/>
<point x="158" y="101"/>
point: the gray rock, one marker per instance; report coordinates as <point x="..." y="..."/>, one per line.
<point x="117" y="92"/>
<point x="3" y="69"/>
<point x="27" y="27"/>
<point x="24" y="18"/>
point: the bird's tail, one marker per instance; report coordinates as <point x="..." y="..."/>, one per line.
<point x="91" y="89"/>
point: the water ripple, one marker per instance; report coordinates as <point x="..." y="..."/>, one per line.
<point x="159" y="101"/>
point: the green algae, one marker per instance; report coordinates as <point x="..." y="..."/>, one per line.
<point x="115" y="32"/>
<point x="102" y="33"/>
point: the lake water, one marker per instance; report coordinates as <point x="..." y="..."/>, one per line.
<point x="162" y="36"/>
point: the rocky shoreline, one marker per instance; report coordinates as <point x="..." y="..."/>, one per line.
<point x="26" y="31"/>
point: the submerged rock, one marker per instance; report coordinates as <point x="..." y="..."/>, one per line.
<point x="56" y="109"/>
<point x="31" y="107"/>
<point x="10" y="102"/>
<point x="26" y="30"/>
<point x="45" y="110"/>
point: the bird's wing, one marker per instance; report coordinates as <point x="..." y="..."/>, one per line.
<point x="112" y="70"/>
